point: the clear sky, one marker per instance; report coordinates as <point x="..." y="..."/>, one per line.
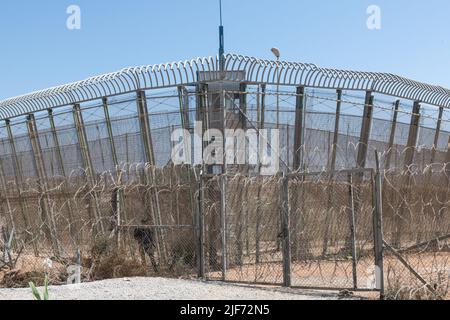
<point x="38" y="51"/>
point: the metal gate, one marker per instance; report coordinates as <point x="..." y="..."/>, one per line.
<point x="309" y="230"/>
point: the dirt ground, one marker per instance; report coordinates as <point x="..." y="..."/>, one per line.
<point x="165" y="289"/>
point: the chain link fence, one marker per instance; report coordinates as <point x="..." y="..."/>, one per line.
<point x="94" y="185"/>
<point x="417" y="233"/>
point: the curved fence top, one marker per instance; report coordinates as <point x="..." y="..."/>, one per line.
<point x="256" y="71"/>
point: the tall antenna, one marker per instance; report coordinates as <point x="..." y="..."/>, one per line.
<point x="221" y="41"/>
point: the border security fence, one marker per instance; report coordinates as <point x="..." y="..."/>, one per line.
<point x="360" y="201"/>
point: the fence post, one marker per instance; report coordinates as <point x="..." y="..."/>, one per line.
<point x="200" y="228"/>
<point x="387" y="165"/>
<point x="110" y="133"/>
<point x="352" y="222"/>
<point x="60" y="163"/>
<point x="413" y="135"/>
<point x="145" y="127"/>
<point x="285" y="222"/>
<point x="437" y="135"/>
<point x="4" y="194"/>
<point x="365" y="131"/>
<point x="263" y="107"/>
<point x="332" y="166"/>
<point x="299" y="121"/>
<point x="243" y="106"/>
<point x="447" y="164"/>
<point x="18" y="176"/>
<point x="409" y="159"/>
<point x="378" y="227"/>
<point x="223" y="220"/>
<point x="45" y="203"/>
<point x="118" y="196"/>
<point x="147" y="140"/>
<point x="87" y="163"/>
<point x="184" y="107"/>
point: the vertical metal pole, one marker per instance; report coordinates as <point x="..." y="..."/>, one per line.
<point x="288" y="149"/>
<point x="352" y="218"/>
<point x="413" y="136"/>
<point x="362" y="153"/>
<point x="365" y="131"/>
<point x="202" y="116"/>
<point x="184" y="112"/>
<point x="60" y="164"/>
<point x="18" y="176"/>
<point x="223" y="216"/>
<point x="150" y="159"/>
<point x="332" y="165"/>
<point x="260" y="181"/>
<point x="110" y="133"/>
<point x="392" y="136"/>
<point x="118" y="193"/>
<point x="87" y="163"/>
<point x="4" y="193"/>
<point x="48" y="217"/>
<point x="447" y="164"/>
<point x="243" y="105"/>
<point x="409" y="159"/>
<point x="437" y="135"/>
<point x="378" y="227"/>
<point x="59" y="157"/>
<point x="299" y="122"/>
<point x="145" y="127"/>
<point x="263" y="106"/>
<point x="332" y="168"/>
<point x="286" y="232"/>
<point x="200" y="229"/>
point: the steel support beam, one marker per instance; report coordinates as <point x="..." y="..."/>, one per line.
<point x="18" y="177"/>
<point x="118" y="196"/>
<point x="202" y="115"/>
<point x="184" y="107"/>
<point x="47" y="213"/>
<point x="447" y="164"/>
<point x="146" y="134"/>
<point x="332" y="165"/>
<point x="286" y="232"/>
<point x="62" y="170"/>
<point x="94" y="206"/>
<point x="299" y="131"/>
<point x="263" y="107"/>
<point x="365" y="131"/>
<point x="378" y="227"/>
<point x="5" y="196"/>
<point x="110" y="134"/>
<point x="144" y="122"/>
<point x="223" y="224"/>
<point x="390" y="149"/>
<point x="413" y="136"/>
<point x="437" y="135"/>
<point x="243" y="106"/>
<point x="409" y="159"/>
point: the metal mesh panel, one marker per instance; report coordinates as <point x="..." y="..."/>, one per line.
<point x="332" y="229"/>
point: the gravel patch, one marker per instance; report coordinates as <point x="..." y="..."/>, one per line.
<point x="163" y="289"/>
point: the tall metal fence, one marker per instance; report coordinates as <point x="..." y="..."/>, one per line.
<point x="80" y="183"/>
<point x="313" y="230"/>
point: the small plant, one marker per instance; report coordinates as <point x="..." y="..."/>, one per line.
<point x="36" y="293"/>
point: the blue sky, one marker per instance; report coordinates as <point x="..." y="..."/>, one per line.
<point x="38" y="51"/>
